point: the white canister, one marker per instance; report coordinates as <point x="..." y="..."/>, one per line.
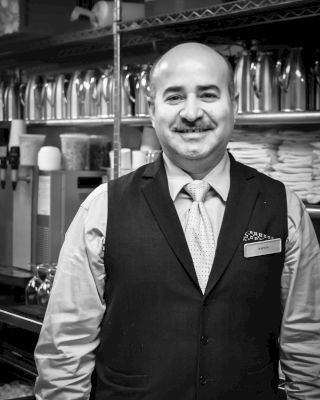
<point x="49" y="158"/>
<point x="125" y="159"/>
<point x="139" y="158"/>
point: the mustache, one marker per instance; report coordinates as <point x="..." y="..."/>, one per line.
<point x="196" y="126"/>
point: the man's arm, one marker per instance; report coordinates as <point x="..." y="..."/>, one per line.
<point x="70" y="334"/>
<point x="300" y="331"/>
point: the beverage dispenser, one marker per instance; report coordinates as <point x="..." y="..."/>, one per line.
<point x="57" y="198"/>
<point x="18" y="218"/>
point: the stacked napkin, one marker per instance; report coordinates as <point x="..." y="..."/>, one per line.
<point x="257" y="150"/>
<point x="313" y="196"/>
<point x="295" y="162"/>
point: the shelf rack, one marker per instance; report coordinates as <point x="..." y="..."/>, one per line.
<point x="234" y="14"/>
<point x="267" y="119"/>
<point x="29" y="50"/>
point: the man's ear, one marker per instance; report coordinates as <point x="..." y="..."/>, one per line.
<point x="235" y="103"/>
<point x="151" y="111"/>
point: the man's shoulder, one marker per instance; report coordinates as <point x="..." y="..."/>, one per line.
<point x="100" y="193"/>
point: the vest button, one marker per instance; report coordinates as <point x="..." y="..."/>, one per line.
<point x="204" y="339"/>
<point x="202" y="380"/>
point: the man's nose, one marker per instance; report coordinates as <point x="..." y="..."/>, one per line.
<point x="191" y="110"/>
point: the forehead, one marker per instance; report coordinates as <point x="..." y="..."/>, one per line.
<point x="185" y="70"/>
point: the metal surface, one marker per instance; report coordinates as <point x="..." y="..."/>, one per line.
<point x="279" y="118"/>
<point x="58" y="196"/>
<point x="314" y="211"/>
<point x="284" y="118"/>
<point x="20" y="321"/>
<point x="21" y="368"/>
<point x="117" y="88"/>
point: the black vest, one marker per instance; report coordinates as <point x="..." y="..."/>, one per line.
<point x="163" y="339"/>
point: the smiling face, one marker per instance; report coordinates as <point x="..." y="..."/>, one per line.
<point x="192" y="111"/>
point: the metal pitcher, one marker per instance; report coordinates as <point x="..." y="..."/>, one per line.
<point x="60" y="96"/>
<point x="88" y="94"/>
<point x="142" y="91"/>
<point x="128" y="78"/>
<point x="73" y="95"/>
<point x="291" y="77"/>
<point x="12" y="103"/>
<point x="105" y="93"/>
<point x="242" y="81"/>
<point x="264" y="83"/>
<point x="314" y="85"/>
<point x="47" y="98"/>
<point x="2" y="108"/>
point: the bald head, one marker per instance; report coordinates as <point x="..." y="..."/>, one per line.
<point x="192" y="53"/>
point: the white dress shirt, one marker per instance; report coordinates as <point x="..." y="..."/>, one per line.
<point x="65" y="353"/>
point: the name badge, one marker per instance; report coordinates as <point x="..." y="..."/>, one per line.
<point x="262" y="248"/>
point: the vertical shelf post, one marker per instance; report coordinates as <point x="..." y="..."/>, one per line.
<point x="117" y="88"/>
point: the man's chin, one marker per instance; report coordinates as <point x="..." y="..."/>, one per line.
<point x="194" y="155"/>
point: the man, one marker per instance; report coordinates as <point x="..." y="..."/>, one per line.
<point x="170" y="310"/>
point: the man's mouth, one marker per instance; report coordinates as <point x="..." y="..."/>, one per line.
<point x="192" y="130"/>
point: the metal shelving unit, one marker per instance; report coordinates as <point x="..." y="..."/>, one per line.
<point x="242" y="19"/>
<point x="27" y="51"/>
<point x="235" y="13"/>
<point x="285" y="118"/>
<point x="281" y="118"/>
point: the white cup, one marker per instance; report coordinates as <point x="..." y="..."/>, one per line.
<point x="29" y="146"/>
<point x="49" y="158"/>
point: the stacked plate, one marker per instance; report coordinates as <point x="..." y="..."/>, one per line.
<point x="255" y="149"/>
<point x="295" y="167"/>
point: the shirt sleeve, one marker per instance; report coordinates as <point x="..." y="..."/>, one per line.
<point x="64" y="353"/>
<point x="300" y="330"/>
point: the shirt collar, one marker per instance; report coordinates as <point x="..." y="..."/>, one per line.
<point x="218" y="177"/>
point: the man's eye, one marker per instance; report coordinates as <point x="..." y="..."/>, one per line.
<point x="173" y="99"/>
<point x="209" y="96"/>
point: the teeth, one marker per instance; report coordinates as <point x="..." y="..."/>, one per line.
<point x="191" y="130"/>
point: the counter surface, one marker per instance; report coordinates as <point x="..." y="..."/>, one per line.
<point x="24" y="316"/>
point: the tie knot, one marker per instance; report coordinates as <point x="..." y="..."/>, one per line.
<point x="197" y="190"/>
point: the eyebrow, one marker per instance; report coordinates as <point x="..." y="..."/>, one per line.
<point x="200" y="88"/>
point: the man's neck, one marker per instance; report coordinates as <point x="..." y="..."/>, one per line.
<point x="198" y="170"/>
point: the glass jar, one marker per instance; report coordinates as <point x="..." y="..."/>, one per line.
<point x="46" y="286"/>
<point x="33" y="285"/>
